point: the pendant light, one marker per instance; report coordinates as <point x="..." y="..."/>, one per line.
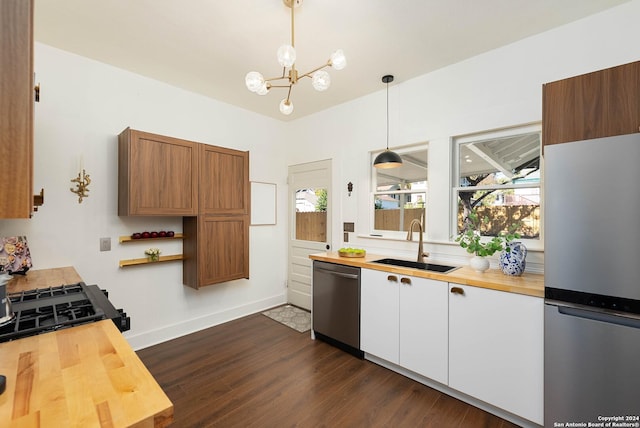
<point x="387" y="159"/>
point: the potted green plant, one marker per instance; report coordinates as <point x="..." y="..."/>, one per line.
<point x="470" y="240"/>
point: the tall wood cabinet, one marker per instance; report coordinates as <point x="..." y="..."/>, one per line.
<point x="16" y="107"/>
<point x="157" y="175"/>
<point x="220" y="250"/>
<point x="600" y="104"/>
<point x="208" y="186"/>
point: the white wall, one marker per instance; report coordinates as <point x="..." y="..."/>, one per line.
<point x="501" y="88"/>
<point x="84" y="105"/>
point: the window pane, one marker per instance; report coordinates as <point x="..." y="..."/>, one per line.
<point x="504" y="208"/>
<point x="400" y="194"/>
<point x="500" y="160"/>
<point x="499" y="178"/>
<point x="394" y="211"/>
<point x="311" y="215"/>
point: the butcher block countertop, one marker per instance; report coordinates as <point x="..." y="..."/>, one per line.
<point x="43" y="278"/>
<point x="84" y="376"/>
<point x="529" y="284"/>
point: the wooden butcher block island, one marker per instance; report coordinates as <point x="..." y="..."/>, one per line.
<point x="84" y="376"/>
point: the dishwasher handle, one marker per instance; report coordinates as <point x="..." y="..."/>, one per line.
<point x="340" y="274"/>
<point x="598" y="315"/>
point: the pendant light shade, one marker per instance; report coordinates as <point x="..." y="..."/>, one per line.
<point x="387" y="159"/>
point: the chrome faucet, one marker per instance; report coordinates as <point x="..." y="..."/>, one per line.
<point x="421" y="253"/>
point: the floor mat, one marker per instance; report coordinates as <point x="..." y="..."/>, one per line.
<point x="291" y="316"/>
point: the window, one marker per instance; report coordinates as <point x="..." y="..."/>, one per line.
<point x="399" y="195"/>
<point x="311" y="214"/>
<point x="497" y="174"/>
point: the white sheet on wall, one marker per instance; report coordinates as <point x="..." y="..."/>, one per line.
<point x="263" y="203"/>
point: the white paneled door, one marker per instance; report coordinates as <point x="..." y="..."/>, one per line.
<point x="310" y="225"/>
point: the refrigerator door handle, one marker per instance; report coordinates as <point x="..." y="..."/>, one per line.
<point x="619" y="319"/>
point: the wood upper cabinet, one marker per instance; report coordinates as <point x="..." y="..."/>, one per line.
<point x="206" y="185"/>
<point x="225" y="177"/>
<point x="157" y="175"/>
<point x="16" y="106"/>
<point x="594" y="105"/>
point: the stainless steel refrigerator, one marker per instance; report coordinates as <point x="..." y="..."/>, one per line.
<point x="592" y="281"/>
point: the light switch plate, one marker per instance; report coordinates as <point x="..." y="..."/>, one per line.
<point x="105" y="244"/>
<point x="348" y="227"/>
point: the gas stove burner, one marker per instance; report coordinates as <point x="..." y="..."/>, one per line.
<point x="47" y="309"/>
<point x="51" y="320"/>
<point x="7" y="319"/>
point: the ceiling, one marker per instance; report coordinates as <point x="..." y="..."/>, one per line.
<point x="208" y="46"/>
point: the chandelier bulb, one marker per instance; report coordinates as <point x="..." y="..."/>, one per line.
<point x="286" y="55"/>
<point x="321" y="80"/>
<point x="254" y="81"/>
<point x="264" y="89"/>
<point x="338" y="60"/>
<point x="286" y="107"/>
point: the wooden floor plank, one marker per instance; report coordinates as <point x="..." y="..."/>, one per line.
<point x="255" y="372"/>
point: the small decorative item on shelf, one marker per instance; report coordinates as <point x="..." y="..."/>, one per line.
<point x="153" y="254"/>
<point x="149" y="235"/>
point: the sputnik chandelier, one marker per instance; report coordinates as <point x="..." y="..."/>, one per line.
<point x="320" y="79"/>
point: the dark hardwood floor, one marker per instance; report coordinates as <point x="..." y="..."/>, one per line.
<point x="255" y="372"/>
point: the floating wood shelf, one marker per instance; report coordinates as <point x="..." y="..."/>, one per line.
<point x="144" y="261"/>
<point x="124" y="239"/>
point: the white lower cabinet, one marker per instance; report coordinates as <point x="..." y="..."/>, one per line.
<point x="404" y="321"/>
<point x="496" y="348"/>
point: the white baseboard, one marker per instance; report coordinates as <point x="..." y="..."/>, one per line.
<point x="153" y="337"/>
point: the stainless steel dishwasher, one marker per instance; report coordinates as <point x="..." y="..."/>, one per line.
<point x="336" y="305"/>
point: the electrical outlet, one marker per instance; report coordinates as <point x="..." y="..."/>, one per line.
<point x="105" y="244"/>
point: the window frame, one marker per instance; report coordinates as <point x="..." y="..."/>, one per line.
<point x="458" y="141"/>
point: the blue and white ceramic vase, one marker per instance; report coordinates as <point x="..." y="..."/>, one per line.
<point x="513" y="262"/>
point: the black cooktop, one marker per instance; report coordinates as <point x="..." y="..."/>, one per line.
<point x="47" y="309"/>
